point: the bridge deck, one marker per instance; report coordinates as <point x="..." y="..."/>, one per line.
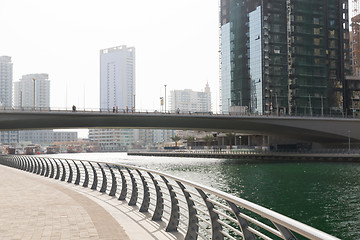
<point x="34" y="207"/>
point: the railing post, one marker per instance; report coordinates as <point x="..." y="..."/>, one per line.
<point x="27" y="164"/>
<point x="47" y="168"/>
<point x="70" y="172"/>
<point x="134" y="192"/>
<point x="288" y="235"/>
<point x="123" y="186"/>
<point x="95" y="180"/>
<point x="193" y="228"/>
<point x="57" y="176"/>
<point x="159" y="208"/>
<point x="31" y="169"/>
<point x="64" y="171"/>
<point x="175" y="214"/>
<point x="244" y="225"/>
<point x="77" y="180"/>
<point x="52" y="173"/>
<point x="146" y="199"/>
<point x="113" y="182"/>
<point x="37" y="166"/>
<point x="104" y="179"/>
<point x="216" y="227"/>
<point x="86" y="180"/>
<point x="42" y="167"/>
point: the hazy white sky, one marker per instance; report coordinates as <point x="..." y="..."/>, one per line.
<point x="176" y="44"/>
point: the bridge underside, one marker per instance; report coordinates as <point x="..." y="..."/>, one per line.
<point x="321" y="130"/>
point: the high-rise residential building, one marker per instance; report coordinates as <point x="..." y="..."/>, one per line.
<point x="117" y="78"/>
<point x="6" y="79"/>
<point x="285" y="56"/>
<point x="117" y="91"/>
<point x="32" y="91"/>
<point x="191" y="101"/>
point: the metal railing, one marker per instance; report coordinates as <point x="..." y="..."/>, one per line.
<point x="195" y="211"/>
<point x="173" y="112"/>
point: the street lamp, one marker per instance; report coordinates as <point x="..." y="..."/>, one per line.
<point x="349" y="140"/>
<point x="240" y="98"/>
<point x="134" y="103"/>
<point x="34" y="93"/>
<point x="165" y="98"/>
<point x="21" y="96"/>
<point x="240" y="140"/>
<point x="229" y="105"/>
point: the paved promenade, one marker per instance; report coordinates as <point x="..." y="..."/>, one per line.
<point x="35" y="207"/>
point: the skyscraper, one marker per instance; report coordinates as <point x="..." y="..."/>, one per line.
<point x="6" y="78"/>
<point x="117" y="78"/>
<point x="117" y="91"/>
<point x="32" y="91"/>
<point x="284" y="56"/>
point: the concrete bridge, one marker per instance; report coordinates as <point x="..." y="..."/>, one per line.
<point x="314" y="129"/>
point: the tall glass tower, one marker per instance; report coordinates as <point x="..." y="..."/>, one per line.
<point x="285" y="56"/>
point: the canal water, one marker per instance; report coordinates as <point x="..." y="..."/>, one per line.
<point x="323" y="195"/>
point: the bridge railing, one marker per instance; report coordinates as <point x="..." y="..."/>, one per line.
<point x="173" y="112"/>
<point x="193" y="210"/>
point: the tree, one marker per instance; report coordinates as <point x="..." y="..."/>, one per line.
<point x="230" y="136"/>
<point x="191" y="140"/>
<point x="208" y="139"/>
<point x="176" y="139"/>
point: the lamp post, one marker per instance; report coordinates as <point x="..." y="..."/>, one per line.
<point x="349" y="140"/>
<point x="240" y="140"/>
<point x="229" y="105"/>
<point x="310" y="107"/>
<point x="165" y="98"/>
<point x="34" y="94"/>
<point x="21" y="96"/>
<point x="134" y="103"/>
<point x="240" y="98"/>
<point x="277" y="105"/>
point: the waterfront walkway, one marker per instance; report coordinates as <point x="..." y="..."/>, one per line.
<point x="35" y="207"/>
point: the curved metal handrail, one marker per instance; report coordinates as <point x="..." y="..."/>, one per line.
<point x="195" y="210"/>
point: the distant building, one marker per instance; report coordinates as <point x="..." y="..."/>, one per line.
<point x="117" y="91"/>
<point x="154" y="137"/>
<point x="117" y="78"/>
<point x="6" y="79"/>
<point x="190" y="101"/>
<point x="30" y="87"/>
<point x="33" y="90"/>
<point x="46" y="136"/>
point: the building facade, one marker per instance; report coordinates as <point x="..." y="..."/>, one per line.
<point x="190" y="101"/>
<point x="285" y="56"/>
<point x="32" y="91"/>
<point x="6" y="79"/>
<point x="117" y="78"/>
<point x="117" y="91"/>
<point x="46" y="136"/>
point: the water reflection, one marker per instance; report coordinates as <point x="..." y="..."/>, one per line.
<point x="323" y="195"/>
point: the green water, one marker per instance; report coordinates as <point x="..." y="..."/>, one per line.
<point x="323" y="195"/>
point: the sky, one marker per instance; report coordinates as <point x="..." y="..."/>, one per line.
<point x="176" y="44"/>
